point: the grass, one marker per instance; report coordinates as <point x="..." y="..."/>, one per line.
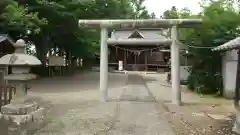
<point x="211" y="98"/>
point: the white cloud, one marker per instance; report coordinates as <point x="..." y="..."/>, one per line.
<point x="159" y="6"/>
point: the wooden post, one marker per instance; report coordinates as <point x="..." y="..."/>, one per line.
<point x="125" y="59"/>
<point x="175" y="68"/>
<point x="104" y="64"/>
<point x="70" y="63"/>
<point x="146" y="58"/>
<point x="135" y="62"/>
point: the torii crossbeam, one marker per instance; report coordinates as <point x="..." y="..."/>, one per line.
<point x="144" y="23"/>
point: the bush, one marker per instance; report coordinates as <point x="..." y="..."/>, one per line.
<point x="204" y="82"/>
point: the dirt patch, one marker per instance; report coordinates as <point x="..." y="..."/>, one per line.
<point x="199" y="120"/>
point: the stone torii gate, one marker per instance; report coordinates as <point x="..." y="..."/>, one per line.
<point x="174" y="24"/>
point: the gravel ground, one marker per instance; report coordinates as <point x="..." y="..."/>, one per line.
<point x="198" y="115"/>
<point x="196" y="122"/>
<point x="138" y="104"/>
<point x="73" y="107"/>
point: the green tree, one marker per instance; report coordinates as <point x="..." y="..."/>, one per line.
<point x="171" y="14"/>
<point x="140" y="10"/>
<point x="54" y="24"/>
<point x="153" y="15"/>
<point x="220" y="24"/>
<point x="16" y="20"/>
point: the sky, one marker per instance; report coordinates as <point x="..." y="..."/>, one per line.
<point x="159" y="6"/>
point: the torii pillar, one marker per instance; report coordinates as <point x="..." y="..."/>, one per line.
<point x="104" y="63"/>
<point x="175" y="67"/>
<point x="145" y="23"/>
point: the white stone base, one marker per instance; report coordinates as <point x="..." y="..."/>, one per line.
<point x="25" y="124"/>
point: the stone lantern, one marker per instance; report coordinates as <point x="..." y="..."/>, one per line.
<point x="20" y="111"/>
<point x="20" y="63"/>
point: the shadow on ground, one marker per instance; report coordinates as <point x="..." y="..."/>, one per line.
<point x="84" y="81"/>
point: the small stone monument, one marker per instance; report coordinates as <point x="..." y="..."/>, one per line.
<point x="120" y="65"/>
<point x="22" y="115"/>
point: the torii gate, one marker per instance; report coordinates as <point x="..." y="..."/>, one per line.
<point x="174" y="24"/>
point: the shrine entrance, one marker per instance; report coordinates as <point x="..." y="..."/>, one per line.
<point x="135" y="61"/>
<point x="139" y="58"/>
<point x="174" y="24"/>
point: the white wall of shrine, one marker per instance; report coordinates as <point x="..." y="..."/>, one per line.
<point x="229" y="71"/>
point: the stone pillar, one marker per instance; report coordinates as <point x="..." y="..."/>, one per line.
<point x="175" y="68"/>
<point x="20" y="96"/>
<point x="104" y="64"/>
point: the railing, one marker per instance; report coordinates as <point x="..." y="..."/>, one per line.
<point x="6" y="93"/>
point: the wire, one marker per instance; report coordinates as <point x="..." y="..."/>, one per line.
<point x="134" y="50"/>
<point x="198" y="47"/>
<point x="201" y="47"/>
<point x="191" y="46"/>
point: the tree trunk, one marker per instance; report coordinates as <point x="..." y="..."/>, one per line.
<point x="42" y="49"/>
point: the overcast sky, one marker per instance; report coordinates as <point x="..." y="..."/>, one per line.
<point x="159" y="6"/>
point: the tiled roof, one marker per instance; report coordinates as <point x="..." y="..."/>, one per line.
<point x="147" y="34"/>
<point x="139" y="42"/>
<point x="136" y="34"/>
<point x="3" y="37"/>
<point x="230" y="45"/>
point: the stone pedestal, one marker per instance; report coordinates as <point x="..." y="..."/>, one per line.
<point x="21" y="119"/>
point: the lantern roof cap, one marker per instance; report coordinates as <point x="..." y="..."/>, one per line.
<point x="19" y="57"/>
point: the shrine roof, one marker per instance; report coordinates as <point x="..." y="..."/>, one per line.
<point x="6" y="43"/>
<point x="139" y="37"/>
<point x="127" y="29"/>
<point x="145" y="33"/>
<point x="4" y="37"/>
<point x="139" y="42"/>
<point x="230" y="45"/>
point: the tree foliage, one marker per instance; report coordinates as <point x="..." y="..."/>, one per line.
<point x="52" y="24"/>
<point x="55" y="23"/>
<point x="221" y="22"/>
<point x="16" y="20"/>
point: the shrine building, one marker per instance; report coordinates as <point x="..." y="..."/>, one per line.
<point x="139" y="49"/>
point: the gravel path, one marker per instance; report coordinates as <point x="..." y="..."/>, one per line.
<point x="73" y="107"/>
